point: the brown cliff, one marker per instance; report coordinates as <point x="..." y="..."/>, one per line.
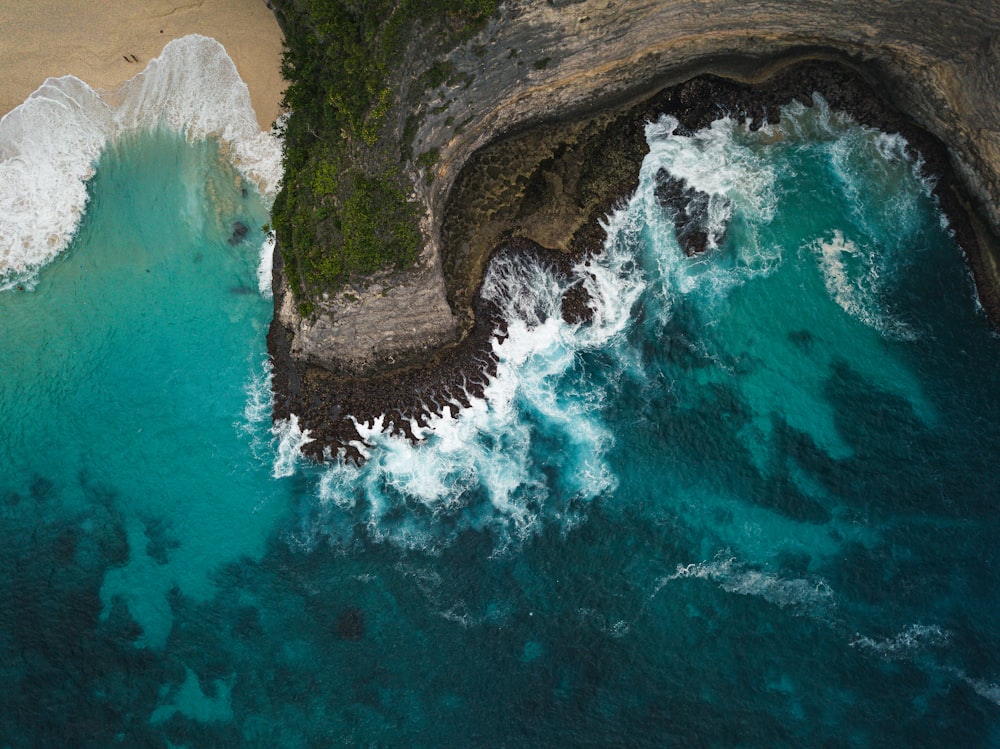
<point x="550" y="84"/>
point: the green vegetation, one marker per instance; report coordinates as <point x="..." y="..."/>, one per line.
<point x="437" y="74"/>
<point x="464" y="124"/>
<point x="427" y="161"/>
<point x="343" y="212"/>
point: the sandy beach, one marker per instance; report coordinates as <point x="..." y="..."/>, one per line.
<point x="96" y="41"/>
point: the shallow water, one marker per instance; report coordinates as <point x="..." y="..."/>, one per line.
<point x="751" y="504"/>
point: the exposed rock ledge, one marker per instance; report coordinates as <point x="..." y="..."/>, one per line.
<point x="549" y="75"/>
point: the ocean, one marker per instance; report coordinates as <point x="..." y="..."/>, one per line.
<point x="751" y="503"/>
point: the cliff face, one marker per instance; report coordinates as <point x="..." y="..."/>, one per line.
<point x="547" y="73"/>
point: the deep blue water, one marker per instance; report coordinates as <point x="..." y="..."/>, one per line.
<point x="753" y="503"/>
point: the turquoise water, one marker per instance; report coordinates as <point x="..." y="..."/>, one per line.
<point x="751" y="504"/>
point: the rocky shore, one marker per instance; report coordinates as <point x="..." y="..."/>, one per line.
<point x="542" y="190"/>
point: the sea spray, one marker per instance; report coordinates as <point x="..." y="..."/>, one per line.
<point x="482" y="468"/>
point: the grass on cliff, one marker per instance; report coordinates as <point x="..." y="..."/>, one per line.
<point x="343" y="212"/>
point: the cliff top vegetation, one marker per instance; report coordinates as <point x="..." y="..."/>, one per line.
<point x="344" y="211"/>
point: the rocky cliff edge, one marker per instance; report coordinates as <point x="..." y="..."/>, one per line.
<point x="545" y="71"/>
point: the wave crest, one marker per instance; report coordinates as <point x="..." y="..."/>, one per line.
<point x="907" y="643"/>
<point x="856" y="282"/>
<point x="810" y="596"/>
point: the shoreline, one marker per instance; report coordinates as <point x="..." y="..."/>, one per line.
<point x="325" y="402"/>
<point x="97" y="40"/>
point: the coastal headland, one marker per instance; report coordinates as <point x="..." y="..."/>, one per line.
<point x="521" y="136"/>
<point x="536" y="132"/>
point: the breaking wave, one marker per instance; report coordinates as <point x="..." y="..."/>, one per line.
<point x="911" y="640"/>
<point x="50" y="143"/>
<point x="532" y="452"/>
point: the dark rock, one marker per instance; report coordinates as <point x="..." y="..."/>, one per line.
<point x="326" y="402"/>
<point x="688" y="209"/>
<point x="240" y="231"/>
<point x="576" y="305"/>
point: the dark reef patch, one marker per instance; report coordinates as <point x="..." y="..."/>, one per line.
<point x="240" y="231"/>
<point x="802" y="338"/>
<point x="564" y="177"/>
<point x="351" y="624"/>
<point x="41" y="489"/>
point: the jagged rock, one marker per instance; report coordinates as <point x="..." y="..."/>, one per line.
<point x="576" y="305"/>
<point x="688" y="209"/>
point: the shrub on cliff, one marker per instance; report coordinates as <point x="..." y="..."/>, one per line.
<point x="343" y="212"/>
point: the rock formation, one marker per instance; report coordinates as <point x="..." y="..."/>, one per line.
<point x="549" y="81"/>
<point x="688" y="208"/>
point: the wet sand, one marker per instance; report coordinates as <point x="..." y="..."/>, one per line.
<point x="106" y="43"/>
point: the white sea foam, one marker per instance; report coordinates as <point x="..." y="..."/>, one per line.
<point x="986" y="689"/>
<point x="883" y="186"/>
<point x="48" y="146"/>
<point x="50" y="143"/>
<point x="810" y="124"/>
<point x="812" y="596"/>
<point x="833" y="255"/>
<point x="715" y="161"/>
<point x="481" y="468"/>
<point x="290" y="439"/>
<point x="613" y="282"/>
<point x="863" y="158"/>
<point x="605" y="623"/>
<point x="259" y="396"/>
<point x="855" y="280"/>
<point x="255" y="425"/>
<point x="913" y="639"/>
<point x="738" y="180"/>
<point x="266" y="265"/>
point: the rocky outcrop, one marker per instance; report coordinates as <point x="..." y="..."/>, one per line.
<point x="551" y="89"/>
<point x="394" y="318"/>
<point x="688" y="209"/>
<point x="545" y="62"/>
